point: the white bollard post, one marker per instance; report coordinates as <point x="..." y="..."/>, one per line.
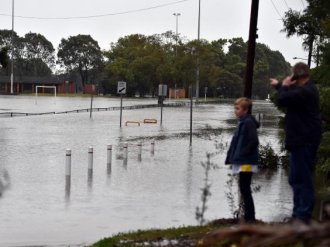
<point x="68" y="173"/>
<point x="90" y="158"/>
<point x="90" y="167"/>
<point x="153" y="147"/>
<point x="139" y="151"/>
<point x="68" y="163"/>
<point x="109" y="154"/>
<point x="125" y="151"/>
<point x="109" y="158"/>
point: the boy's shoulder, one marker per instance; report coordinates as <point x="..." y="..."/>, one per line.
<point x="250" y="121"/>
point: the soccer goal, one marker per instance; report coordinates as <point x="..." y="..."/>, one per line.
<point x="53" y="87"/>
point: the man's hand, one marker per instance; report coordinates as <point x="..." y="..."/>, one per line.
<point x="287" y="81"/>
<point x="273" y="82"/>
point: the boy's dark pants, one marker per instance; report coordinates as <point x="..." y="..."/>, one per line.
<point x="245" y="189"/>
<point x="302" y="162"/>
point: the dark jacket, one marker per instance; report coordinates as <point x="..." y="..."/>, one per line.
<point x="244" y="144"/>
<point x="302" y="118"/>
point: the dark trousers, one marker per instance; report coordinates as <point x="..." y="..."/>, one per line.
<point x="245" y="189"/>
<point x="302" y="163"/>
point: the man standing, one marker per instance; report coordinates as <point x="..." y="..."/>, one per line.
<point x="299" y="96"/>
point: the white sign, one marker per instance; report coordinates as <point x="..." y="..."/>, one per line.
<point x="162" y="90"/>
<point x="121" y="89"/>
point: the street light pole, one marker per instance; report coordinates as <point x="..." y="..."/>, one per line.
<point x="12" y="51"/>
<point x="176" y="27"/>
<point x="198" y="37"/>
<point x="176" y="46"/>
<point x="303" y="59"/>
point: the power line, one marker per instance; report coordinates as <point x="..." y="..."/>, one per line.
<point x="276" y="10"/>
<point x="286" y="4"/>
<point x="100" y="15"/>
<point x="302" y="2"/>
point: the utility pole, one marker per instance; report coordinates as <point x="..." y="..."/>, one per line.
<point x="12" y="51"/>
<point x="251" y="49"/>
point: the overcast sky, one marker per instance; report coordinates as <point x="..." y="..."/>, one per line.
<point x="219" y="19"/>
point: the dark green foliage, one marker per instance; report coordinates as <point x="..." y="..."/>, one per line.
<point x="268" y="158"/>
<point x="325" y="107"/>
<point x="4" y="57"/>
<point x="80" y="53"/>
<point x="33" y="54"/>
<point x="146" y="61"/>
<point x="324" y="153"/>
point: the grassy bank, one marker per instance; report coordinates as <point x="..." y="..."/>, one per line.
<point x="182" y="236"/>
<point x="228" y="233"/>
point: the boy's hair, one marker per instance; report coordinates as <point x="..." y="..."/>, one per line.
<point x="244" y="102"/>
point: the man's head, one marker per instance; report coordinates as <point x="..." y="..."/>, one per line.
<point x="300" y="71"/>
<point x="242" y="106"/>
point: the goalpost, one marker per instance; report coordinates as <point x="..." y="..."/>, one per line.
<point x="54" y="87"/>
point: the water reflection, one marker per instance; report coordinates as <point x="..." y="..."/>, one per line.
<point x="109" y="170"/>
<point x="67" y="188"/>
<point x="152" y="148"/>
<point x="90" y="178"/>
<point x="268" y="174"/>
<point x="125" y="163"/>
<point x="189" y="172"/>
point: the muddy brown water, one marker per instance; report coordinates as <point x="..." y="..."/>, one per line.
<point x="162" y="190"/>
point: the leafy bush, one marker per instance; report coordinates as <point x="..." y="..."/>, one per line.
<point x="268" y="158"/>
<point x="325" y="107"/>
<point x="324" y="154"/>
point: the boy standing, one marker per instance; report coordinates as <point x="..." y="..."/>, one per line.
<point x="243" y="153"/>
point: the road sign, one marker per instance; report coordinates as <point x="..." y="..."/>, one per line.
<point x="162" y="90"/>
<point x="121" y="89"/>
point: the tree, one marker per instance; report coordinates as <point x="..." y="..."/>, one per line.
<point x="33" y="54"/>
<point x="6" y="43"/>
<point x="230" y="84"/>
<point x="39" y="52"/>
<point x="5" y="40"/>
<point x="4" y="57"/>
<point x="146" y="61"/>
<point x="238" y="47"/>
<point x="139" y="60"/>
<point x="306" y="24"/>
<point x="80" y="53"/>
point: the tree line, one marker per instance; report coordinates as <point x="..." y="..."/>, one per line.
<point x="146" y="61"/>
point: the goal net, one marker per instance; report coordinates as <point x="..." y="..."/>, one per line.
<point x="51" y="87"/>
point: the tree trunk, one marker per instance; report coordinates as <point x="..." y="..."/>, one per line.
<point x="310" y="50"/>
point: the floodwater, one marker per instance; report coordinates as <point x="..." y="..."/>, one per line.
<point x="161" y="190"/>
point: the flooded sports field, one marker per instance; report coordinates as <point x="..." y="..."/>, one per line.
<point x="162" y="189"/>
